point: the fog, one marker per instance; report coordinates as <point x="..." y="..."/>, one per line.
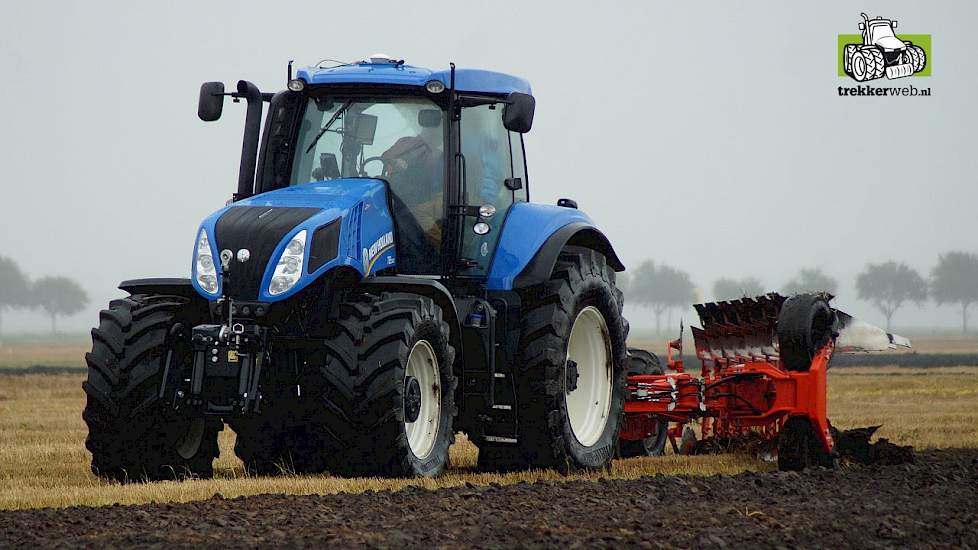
<point x="707" y="136"/>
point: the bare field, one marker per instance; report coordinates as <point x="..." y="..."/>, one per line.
<point x="43" y="461"/>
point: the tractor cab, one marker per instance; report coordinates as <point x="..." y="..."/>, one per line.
<point x="879" y="32"/>
<point x="446" y="146"/>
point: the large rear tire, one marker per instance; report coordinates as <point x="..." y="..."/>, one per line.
<point x="132" y="434"/>
<point x="386" y="389"/>
<point x="571" y="379"/>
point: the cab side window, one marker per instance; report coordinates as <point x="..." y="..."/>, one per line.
<point x="492" y="155"/>
<point x="519" y="166"/>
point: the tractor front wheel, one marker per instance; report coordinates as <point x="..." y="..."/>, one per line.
<point x="918" y="57"/>
<point x="279" y="440"/>
<point x="132" y="434"/>
<point x="386" y="390"/>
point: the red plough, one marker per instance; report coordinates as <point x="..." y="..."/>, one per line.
<point x="763" y="376"/>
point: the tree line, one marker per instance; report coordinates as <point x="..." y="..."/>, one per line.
<point x="55" y="295"/>
<point x="888" y="286"/>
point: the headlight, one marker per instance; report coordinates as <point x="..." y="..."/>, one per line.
<point x="289" y="267"/>
<point x="206" y="271"/>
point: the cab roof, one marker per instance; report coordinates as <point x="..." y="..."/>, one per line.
<point x="387" y="71"/>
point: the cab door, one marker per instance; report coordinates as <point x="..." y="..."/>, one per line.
<point x="493" y="175"/>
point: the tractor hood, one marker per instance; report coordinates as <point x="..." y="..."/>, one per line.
<point x="343" y="222"/>
<point x="890" y="43"/>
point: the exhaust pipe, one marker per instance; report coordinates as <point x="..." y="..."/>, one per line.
<point x="249" y="146"/>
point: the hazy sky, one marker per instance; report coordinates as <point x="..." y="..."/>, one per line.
<point x="710" y="137"/>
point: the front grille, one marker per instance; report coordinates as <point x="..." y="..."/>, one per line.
<point x="259" y="229"/>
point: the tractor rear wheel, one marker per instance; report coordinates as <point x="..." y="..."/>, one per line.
<point x="806" y="323"/>
<point x="132" y="434"/>
<point x="571" y="355"/>
<point x="641" y="361"/>
<point x="386" y="390"/>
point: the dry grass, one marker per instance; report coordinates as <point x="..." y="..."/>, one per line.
<point x="43" y="461"/>
<point x="65" y="353"/>
<point x="926" y="408"/>
<point x="69" y="351"/>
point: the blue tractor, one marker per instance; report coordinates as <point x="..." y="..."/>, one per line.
<point x="378" y="283"/>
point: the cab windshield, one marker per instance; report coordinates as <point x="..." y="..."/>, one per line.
<point x="399" y="139"/>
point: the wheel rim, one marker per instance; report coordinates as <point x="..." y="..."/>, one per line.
<point x="190" y="443"/>
<point x="589" y="403"/>
<point x="423" y="379"/>
<point x="859" y="66"/>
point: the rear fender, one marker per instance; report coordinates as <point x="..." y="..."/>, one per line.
<point x="532" y="239"/>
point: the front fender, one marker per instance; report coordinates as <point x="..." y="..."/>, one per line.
<point x="531" y="241"/>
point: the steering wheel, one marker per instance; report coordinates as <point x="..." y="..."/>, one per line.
<point x="363" y="165"/>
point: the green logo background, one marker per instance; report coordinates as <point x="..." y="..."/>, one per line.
<point x="922" y="40"/>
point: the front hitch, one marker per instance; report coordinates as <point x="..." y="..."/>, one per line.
<point x="227" y="367"/>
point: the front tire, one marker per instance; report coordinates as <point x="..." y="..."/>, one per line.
<point x="276" y="442"/>
<point x="571" y="384"/>
<point x="132" y="434"/>
<point x="386" y="390"/>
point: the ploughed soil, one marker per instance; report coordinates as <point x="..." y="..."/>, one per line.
<point x="931" y="502"/>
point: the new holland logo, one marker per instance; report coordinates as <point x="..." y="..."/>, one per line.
<point x="381" y="245"/>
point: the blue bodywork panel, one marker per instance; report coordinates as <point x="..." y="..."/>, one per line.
<point x="526" y="228"/>
<point x="366" y="240"/>
<point x="466" y="80"/>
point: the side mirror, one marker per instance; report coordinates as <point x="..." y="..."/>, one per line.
<point x="518" y="112"/>
<point x="211" y="101"/>
<point x="894" y="24"/>
<point x="862" y="26"/>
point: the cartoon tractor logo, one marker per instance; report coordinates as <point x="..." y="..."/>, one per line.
<point x="882" y="52"/>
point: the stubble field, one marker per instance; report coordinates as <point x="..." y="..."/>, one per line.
<point x="43" y="461"/>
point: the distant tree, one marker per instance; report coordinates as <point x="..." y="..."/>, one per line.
<point x="811" y="280"/>
<point x="59" y="296"/>
<point x="732" y="289"/>
<point x="889" y="285"/>
<point x="955" y="281"/>
<point x="660" y="288"/>
<point x="14" y="286"/>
